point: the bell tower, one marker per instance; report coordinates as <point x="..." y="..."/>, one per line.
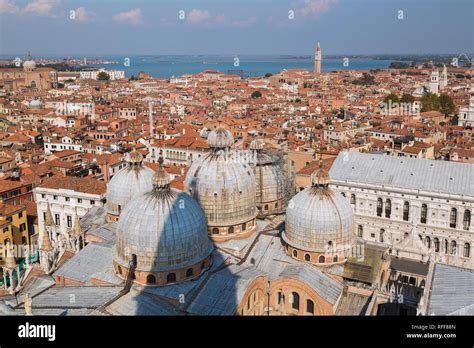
<point x="317" y="60"/>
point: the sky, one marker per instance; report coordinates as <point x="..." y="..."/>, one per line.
<point x="235" y="27"/>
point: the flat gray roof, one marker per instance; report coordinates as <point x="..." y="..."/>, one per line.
<point x="402" y="172"/>
<point x="451" y="290"/>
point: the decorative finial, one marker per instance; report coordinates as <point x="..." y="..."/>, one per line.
<point x="320" y="177"/>
<point x="77" y="224"/>
<point x="48" y="221"/>
<point x="28" y="302"/>
<point x="10" y="262"/>
<point x="46" y="242"/>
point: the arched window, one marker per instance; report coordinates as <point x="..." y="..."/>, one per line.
<point x="388" y="208"/>
<point x="296" y="301"/>
<point x="343" y="194"/>
<point x="467" y="250"/>
<point x="467" y="219"/>
<point x="453" y="247"/>
<point x="215" y="230"/>
<point x="276" y="205"/>
<point x="119" y="270"/>
<point x="334" y="259"/>
<point x="424" y="213"/>
<point x="171" y="278"/>
<point x="453" y="217"/>
<point x="309" y="307"/>
<point x="406" y="211"/>
<point x="189" y="272"/>
<point x="353" y="199"/>
<point x="150" y="279"/>
<point x="445" y="246"/>
<point x="231" y="230"/>
<point x="321" y="259"/>
<point x="379" y="206"/>
<point x="436" y="244"/>
<point x="428" y="242"/>
<point x="281" y="297"/>
<point x="360" y="231"/>
<point x="382" y="235"/>
<point x="33" y="84"/>
<point x="295" y="253"/>
<point x="265" y="207"/>
<point x="307" y="257"/>
<point x="244" y="226"/>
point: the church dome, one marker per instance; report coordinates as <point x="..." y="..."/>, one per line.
<point x="166" y="231"/>
<point x="130" y="182"/>
<point x="319" y="223"/>
<point x="35" y="104"/>
<point x="224" y="186"/>
<point x="270" y="180"/>
<point x="29" y="63"/>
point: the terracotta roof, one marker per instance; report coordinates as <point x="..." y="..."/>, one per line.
<point x="78" y="184"/>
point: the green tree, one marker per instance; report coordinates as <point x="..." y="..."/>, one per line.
<point x="391" y="97"/>
<point x="407" y="98"/>
<point x="446" y="104"/>
<point x="268" y="74"/>
<point x="430" y="102"/>
<point x="103" y="76"/>
<point x="256" y="94"/>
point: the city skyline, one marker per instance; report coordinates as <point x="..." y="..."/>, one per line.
<point x="208" y="27"/>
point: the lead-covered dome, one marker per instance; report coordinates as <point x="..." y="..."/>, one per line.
<point x="166" y="231"/>
<point x="35" y="104"/>
<point x="132" y="181"/>
<point x="29" y="63"/>
<point x="319" y="223"/>
<point x="224" y="185"/>
<point x="270" y="180"/>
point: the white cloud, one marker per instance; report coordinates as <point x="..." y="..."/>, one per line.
<point x="314" y="8"/>
<point x="82" y="15"/>
<point x="41" y="7"/>
<point x="7" y="6"/>
<point x="198" y="16"/>
<point x="133" y="17"/>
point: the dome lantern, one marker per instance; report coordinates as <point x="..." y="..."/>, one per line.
<point x="161" y="179"/>
<point x="220" y="138"/>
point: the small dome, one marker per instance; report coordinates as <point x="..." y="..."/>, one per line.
<point x="320" y="177"/>
<point x="130" y="182"/>
<point x="165" y="228"/>
<point x="161" y="179"/>
<point x="134" y="157"/>
<point x="317" y="217"/>
<point x="220" y="138"/>
<point x="29" y="63"/>
<point x="35" y="104"/>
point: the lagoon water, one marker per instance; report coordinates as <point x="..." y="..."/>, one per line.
<point x="177" y="65"/>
